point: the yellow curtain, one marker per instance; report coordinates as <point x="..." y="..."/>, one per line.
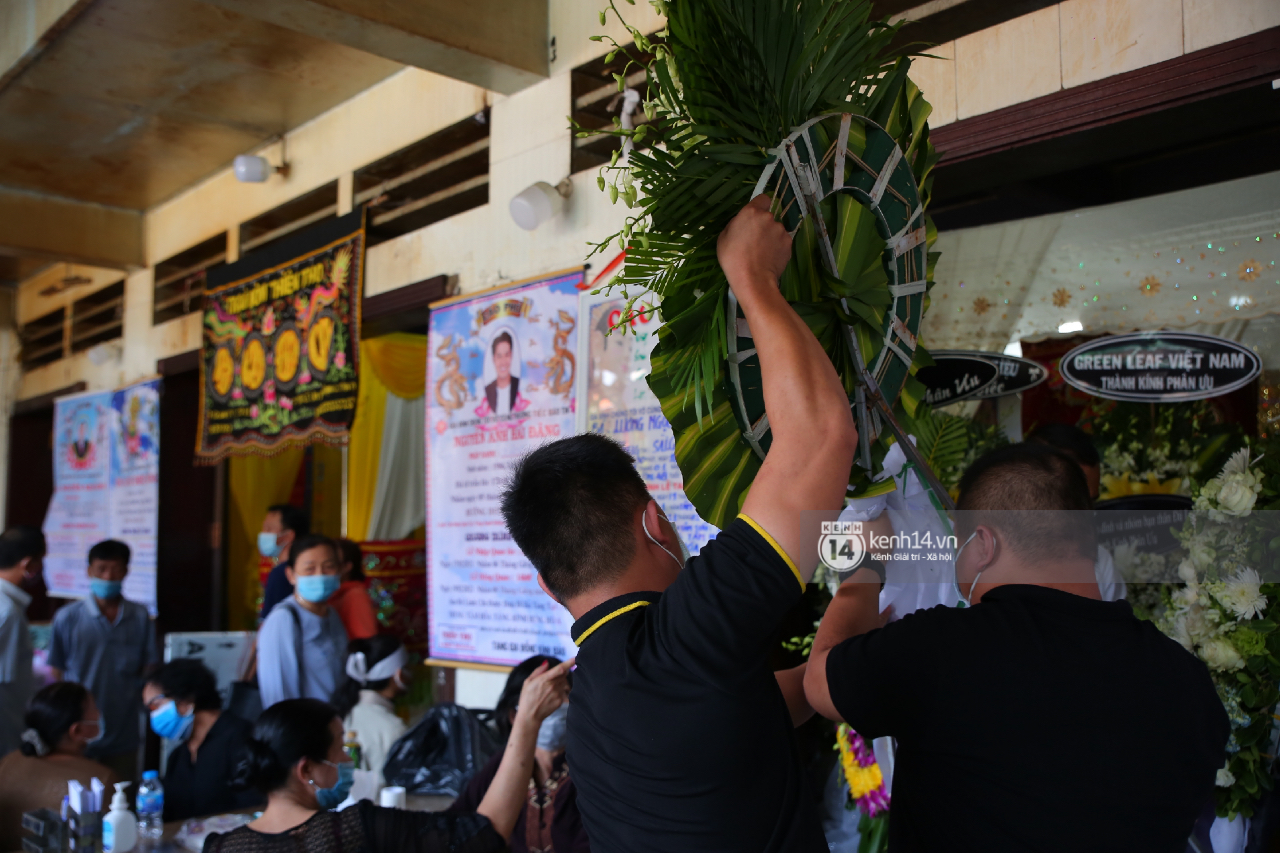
<point x="255" y="483"/>
<point x="365" y="449"/>
<point x="400" y="361"/>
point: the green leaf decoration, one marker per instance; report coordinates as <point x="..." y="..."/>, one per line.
<point x="942" y="440"/>
<point x="950" y="443"/>
<point x="800" y="99"/>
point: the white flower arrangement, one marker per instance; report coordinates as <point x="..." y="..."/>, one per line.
<point x="1215" y="604"/>
<point x="1243" y="595"/>
<point x="1234" y="491"/>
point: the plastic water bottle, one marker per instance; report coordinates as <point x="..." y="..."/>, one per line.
<point x="151" y="806"/>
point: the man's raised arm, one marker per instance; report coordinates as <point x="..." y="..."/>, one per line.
<point x="853" y="611"/>
<point x="814" y="438"/>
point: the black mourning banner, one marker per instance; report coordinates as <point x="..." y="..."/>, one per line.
<point x="281" y="341"/>
<point x="1159" y="367"/>
<point x="1146" y="522"/>
<point x="956" y="376"/>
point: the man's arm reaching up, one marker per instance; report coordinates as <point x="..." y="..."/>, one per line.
<point x="855" y="610"/>
<point x="814" y="438"/>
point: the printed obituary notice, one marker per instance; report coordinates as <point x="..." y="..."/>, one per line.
<point x="617" y="402"/>
<point x="78" y="515"/>
<point x="501" y="369"/>
<point x="106" y="474"/>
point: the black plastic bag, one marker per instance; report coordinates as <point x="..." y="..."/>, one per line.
<point x="441" y="753"/>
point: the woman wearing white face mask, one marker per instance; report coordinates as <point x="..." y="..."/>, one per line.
<point x="302" y="646"/>
<point x="550" y="820"/>
<point x="61" y="721"/>
<point x="183" y="702"/>
<point x="375" y="676"/>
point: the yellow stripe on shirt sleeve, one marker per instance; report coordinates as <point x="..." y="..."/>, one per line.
<point x="781" y="553"/>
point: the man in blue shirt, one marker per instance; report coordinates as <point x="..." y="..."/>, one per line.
<point x="21" y="555"/>
<point x="106" y="643"/>
<point x="283" y="525"/>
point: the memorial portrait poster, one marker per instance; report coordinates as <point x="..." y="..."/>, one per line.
<point x="501" y="371"/>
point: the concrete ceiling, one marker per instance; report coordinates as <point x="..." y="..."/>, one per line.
<point x="139" y="99"/>
<point x="110" y="107"/>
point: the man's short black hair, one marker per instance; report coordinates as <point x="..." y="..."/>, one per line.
<point x="1035" y="496"/>
<point x="499" y="338"/>
<point x="111" y="549"/>
<point x="19" y="543"/>
<point x="1068" y="439"/>
<point x="188" y="680"/>
<point x="571" y="507"/>
<point x="292" y="518"/>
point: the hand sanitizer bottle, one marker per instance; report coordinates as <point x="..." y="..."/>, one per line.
<point x="119" y="827"/>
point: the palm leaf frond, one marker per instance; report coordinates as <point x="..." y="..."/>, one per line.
<point x="727" y="81"/>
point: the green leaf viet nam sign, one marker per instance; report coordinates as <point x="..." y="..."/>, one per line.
<point x="280" y="344"/>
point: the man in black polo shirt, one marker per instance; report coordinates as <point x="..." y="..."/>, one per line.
<point x="1041" y="718"/>
<point x="680" y="736"/>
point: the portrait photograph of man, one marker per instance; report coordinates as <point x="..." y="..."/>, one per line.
<point x="502" y="370"/>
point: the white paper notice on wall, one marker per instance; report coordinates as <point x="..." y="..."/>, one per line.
<point x="615" y="400"/>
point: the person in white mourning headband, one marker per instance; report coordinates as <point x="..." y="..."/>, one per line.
<point x="375" y="676"/>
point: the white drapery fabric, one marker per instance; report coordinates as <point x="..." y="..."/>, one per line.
<point x="399" y="504"/>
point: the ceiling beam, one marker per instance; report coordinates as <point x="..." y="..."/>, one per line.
<point x="500" y="45"/>
<point x="61" y="229"/>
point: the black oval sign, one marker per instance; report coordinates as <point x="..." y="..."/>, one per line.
<point x="1145" y="521"/>
<point x="1159" y="366"/>
<point x="956" y="376"/>
<point x="1015" y="374"/>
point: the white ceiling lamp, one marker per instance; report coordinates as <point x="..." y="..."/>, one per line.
<point x="539" y="202"/>
<point x="252" y="169"/>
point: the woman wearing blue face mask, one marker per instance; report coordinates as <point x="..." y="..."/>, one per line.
<point x="182" y="700"/>
<point x="295" y="758"/>
<point x="61" y="721"/>
<point x="302" y="646"/>
<point x="549" y="819"/>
